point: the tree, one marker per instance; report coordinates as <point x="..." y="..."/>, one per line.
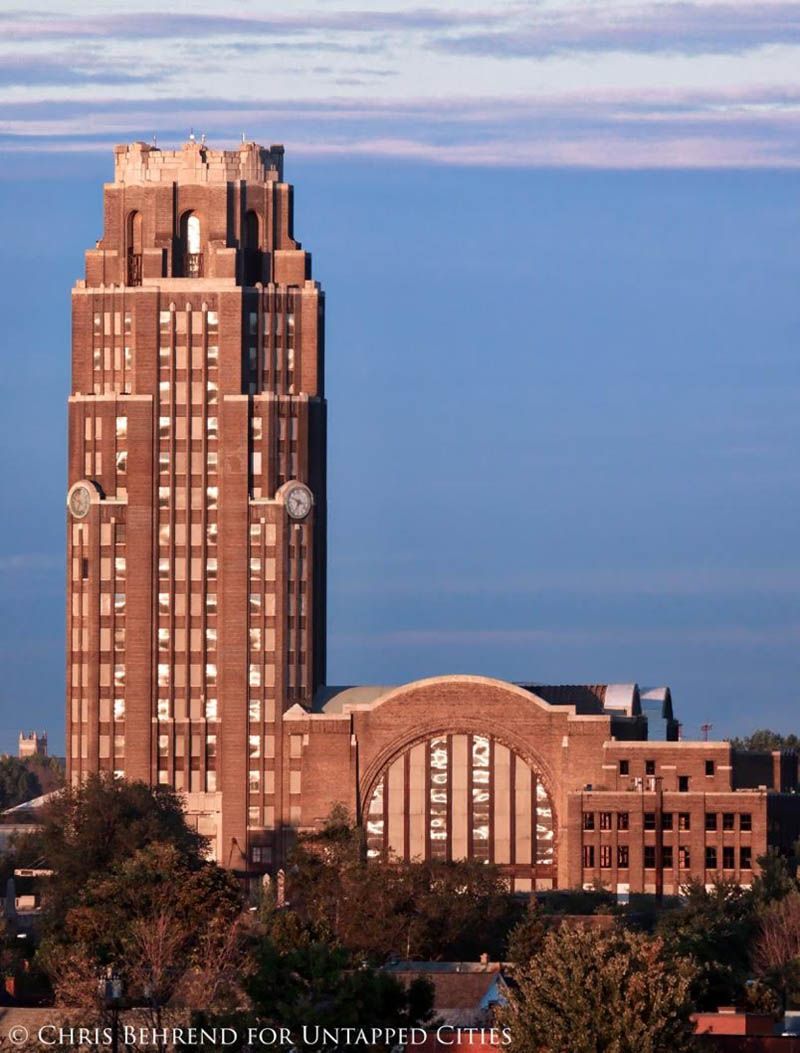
<point x="715" y="928"/>
<point x="17" y="783"/>
<point x="775" y="879"/>
<point x="89" y="829"/>
<point x="156" y="920"/>
<point x="766" y="739"/>
<point x="526" y="938"/>
<point x="376" y="909"/>
<point x="588" y="991"/>
<point x="776" y="952"/>
<point x="303" y="980"/>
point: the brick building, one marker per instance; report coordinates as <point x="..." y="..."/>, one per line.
<point x="196" y="590"/>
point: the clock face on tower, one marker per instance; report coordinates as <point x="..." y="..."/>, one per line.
<point x="298" y="501"/>
<point x="80" y="502"/>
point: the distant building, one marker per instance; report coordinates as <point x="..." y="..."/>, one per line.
<point x="33" y="744"/>
<point x="466" y="994"/>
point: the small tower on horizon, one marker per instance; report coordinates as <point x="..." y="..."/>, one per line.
<point x="32" y="744"/>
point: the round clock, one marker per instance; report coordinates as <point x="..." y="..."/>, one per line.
<point x="80" y="502"/>
<point x="298" y="501"/>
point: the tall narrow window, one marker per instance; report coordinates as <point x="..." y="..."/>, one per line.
<point x="134" y="235"/>
<point x="190" y="257"/>
<point x="252" y="253"/>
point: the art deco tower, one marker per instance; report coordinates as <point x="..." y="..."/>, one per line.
<point x="196" y="504"/>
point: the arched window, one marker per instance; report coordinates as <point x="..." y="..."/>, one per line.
<point x="134" y="242"/>
<point x="252" y="249"/>
<point x="190" y="251"/>
<point x="464" y="796"/>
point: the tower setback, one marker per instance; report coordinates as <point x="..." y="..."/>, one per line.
<point x="196" y="503"/>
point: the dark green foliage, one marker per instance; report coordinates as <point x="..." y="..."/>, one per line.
<point x="18" y="782"/>
<point x="526" y="938"/>
<point x="765" y="739"/>
<point x="716" y="929"/>
<point x="302" y="979"/>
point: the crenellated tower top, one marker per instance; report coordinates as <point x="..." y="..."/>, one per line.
<point x="139" y="163"/>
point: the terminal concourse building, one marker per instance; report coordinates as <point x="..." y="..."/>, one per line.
<point x="196" y="532"/>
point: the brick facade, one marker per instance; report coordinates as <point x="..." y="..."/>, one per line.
<point x="196" y="532"/>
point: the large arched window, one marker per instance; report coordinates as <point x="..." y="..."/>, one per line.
<point x="190" y="251"/>
<point x="134" y="243"/>
<point x="252" y="249"/>
<point x="463" y="796"/>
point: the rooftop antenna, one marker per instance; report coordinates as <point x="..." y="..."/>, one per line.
<point x="705" y="728"/>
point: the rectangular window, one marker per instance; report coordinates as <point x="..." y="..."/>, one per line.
<point x="588" y="820"/>
<point x="649" y="857"/>
<point x="684" y="858"/>
<point x="163" y="709"/>
<point x="709" y="767"/>
<point x="727" y="820"/>
<point x="727" y="858"/>
<point x="588" y="856"/>
<point x="605" y="857"/>
<point x="624" y="767"/>
<point x="255" y="675"/>
<point x="711" y="820"/>
<point x="666" y="820"/>
<point x="746" y="857"/>
<point x="666" y="857"/>
<point x="254" y="709"/>
<point x="254" y="780"/>
<point x="711" y="857"/>
<point x="211" y="709"/>
<point x="649" y="767"/>
<point x="255" y="745"/>
<point x="649" y="820"/>
<point x="684" y="821"/>
<point x="211" y="745"/>
<point x="746" y="821"/>
<point x="622" y="857"/>
<point x="683" y="784"/>
<point x="605" y="820"/>
<point x="622" y="821"/>
<point x="119" y="709"/>
<point x="122" y="427"/>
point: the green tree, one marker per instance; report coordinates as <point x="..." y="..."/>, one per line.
<point x="303" y="980"/>
<point x="527" y="937"/>
<point x="588" y="992"/>
<point x="776" y="951"/>
<point x="376" y="909"/>
<point x="18" y="783"/>
<point x="90" y="829"/>
<point x="715" y="928"/>
<point x="766" y="739"/>
<point x="775" y="878"/>
<point x="158" y="919"/>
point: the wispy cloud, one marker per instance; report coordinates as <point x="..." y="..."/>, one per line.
<point x="706" y="83"/>
<point x="681" y="28"/>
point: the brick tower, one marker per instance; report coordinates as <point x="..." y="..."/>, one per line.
<point x="196" y="502"/>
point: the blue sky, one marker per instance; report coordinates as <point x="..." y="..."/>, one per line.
<point x="562" y="324"/>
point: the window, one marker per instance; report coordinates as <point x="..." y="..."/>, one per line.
<point x="588" y="820"/>
<point x="710" y="767"/>
<point x="605" y="857"/>
<point x="711" y="857"/>
<point x="624" y="767"/>
<point x="255" y="745"/>
<point x="684" y="821"/>
<point x="745" y="821"/>
<point x="622" y="857"/>
<point x="746" y="857"/>
<point x="254" y="780"/>
<point x="211" y="745"/>
<point x="727" y="820"/>
<point x="588" y="856"/>
<point x="254" y="709"/>
<point x="119" y="709"/>
<point x="211" y="709"/>
<point x="605" y="820"/>
<point x="122" y="427"/>
<point x="649" y="767"/>
<point x="711" y="820"/>
<point x="666" y="820"/>
<point x="666" y="857"/>
<point x="622" y="821"/>
<point x="649" y="820"/>
<point x="727" y="858"/>
<point x="649" y="857"/>
<point x="683" y="784"/>
<point x="684" y="858"/>
<point x="163" y="709"/>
